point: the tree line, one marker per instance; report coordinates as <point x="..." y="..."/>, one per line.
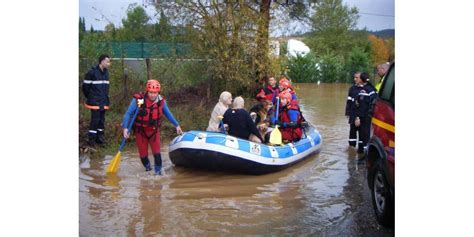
<point x="232" y="38"/>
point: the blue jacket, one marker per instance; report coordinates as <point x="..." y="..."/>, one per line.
<point x="350" y="103"/>
<point x="133" y="106"/>
<point x="292" y="113"/>
<point x="96" y="87"/>
<point x="364" y="101"/>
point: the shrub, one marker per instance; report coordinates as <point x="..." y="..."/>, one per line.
<point x="303" y="68"/>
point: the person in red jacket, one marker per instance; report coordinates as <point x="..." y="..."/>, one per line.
<point x="148" y="122"/>
<point x="269" y="91"/>
<point x="289" y="118"/>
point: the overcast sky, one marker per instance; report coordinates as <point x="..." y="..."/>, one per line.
<point x="374" y="14"/>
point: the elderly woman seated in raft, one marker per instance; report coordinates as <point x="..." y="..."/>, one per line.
<point x="225" y="100"/>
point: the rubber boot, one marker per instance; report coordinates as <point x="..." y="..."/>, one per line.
<point x="360" y="147"/>
<point x="158" y="164"/>
<point x="100" y="139"/>
<point x="92" y="140"/>
<point x="146" y="163"/>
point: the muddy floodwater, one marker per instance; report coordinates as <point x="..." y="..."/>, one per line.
<point x="324" y="195"/>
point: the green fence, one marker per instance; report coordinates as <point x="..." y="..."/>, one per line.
<point x="144" y="49"/>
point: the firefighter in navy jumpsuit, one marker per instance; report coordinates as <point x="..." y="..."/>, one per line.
<point x="96" y="90"/>
<point x="350" y="111"/>
<point x="363" y="103"/>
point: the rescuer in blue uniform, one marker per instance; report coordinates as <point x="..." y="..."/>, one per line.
<point x="350" y="109"/>
<point x="96" y="90"/>
<point x="363" y="103"/>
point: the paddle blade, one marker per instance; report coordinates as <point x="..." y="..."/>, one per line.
<point x="115" y="163"/>
<point x="275" y="136"/>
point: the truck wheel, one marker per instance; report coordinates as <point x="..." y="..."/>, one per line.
<point x="381" y="198"/>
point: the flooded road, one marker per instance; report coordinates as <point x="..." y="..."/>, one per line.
<point x="324" y="195"/>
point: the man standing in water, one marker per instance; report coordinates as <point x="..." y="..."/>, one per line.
<point x="96" y="89"/>
<point x="350" y="110"/>
<point x="148" y="122"/>
<point x="363" y="110"/>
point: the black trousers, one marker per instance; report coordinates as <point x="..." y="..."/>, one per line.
<point x="97" y="124"/>
<point x="353" y="135"/>
<point x="364" y="133"/>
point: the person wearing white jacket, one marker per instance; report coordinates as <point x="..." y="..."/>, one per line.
<point x="225" y="100"/>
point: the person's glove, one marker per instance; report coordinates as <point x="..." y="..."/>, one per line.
<point x="292" y="124"/>
<point x="281" y="124"/>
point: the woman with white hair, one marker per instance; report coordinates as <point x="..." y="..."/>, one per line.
<point x="240" y="123"/>
<point x="225" y="99"/>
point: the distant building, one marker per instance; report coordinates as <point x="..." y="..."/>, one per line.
<point x="295" y="47"/>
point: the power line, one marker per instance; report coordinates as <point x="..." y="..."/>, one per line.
<point x="373" y="14"/>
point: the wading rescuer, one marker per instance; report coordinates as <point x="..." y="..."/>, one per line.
<point x="363" y="104"/>
<point x="289" y="118"/>
<point x="147" y="123"/>
<point x="96" y="90"/>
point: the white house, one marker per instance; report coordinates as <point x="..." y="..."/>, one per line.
<point x="295" y="47"/>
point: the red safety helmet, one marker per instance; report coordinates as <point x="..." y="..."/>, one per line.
<point x="286" y="95"/>
<point x="285" y="83"/>
<point x="153" y="86"/>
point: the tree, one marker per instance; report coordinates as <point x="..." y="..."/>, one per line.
<point x="91" y="29"/>
<point x="331" y="24"/>
<point x="224" y="33"/>
<point x="332" y="68"/>
<point x="265" y="8"/>
<point x="242" y="26"/>
<point x="163" y="29"/>
<point x="82" y="28"/>
<point x="110" y="33"/>
<point x="303" y="68"/>
<point x="359" y="60"/>
<point x="82" y="25"/>
<point x="390" y="43"/>
<point x="380" y="52"/>
<point x="134" y="25"/>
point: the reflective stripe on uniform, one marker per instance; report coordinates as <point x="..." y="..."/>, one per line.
<point x="92" y="131"/>
<point x="94" y="106"/>
<point x="352" y="140"/>
<point x="95" y="82"/>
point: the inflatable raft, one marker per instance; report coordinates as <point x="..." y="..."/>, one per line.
<point x="221" y="152"/>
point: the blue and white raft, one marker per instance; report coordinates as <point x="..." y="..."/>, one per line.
<point x="221" y="152"/>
